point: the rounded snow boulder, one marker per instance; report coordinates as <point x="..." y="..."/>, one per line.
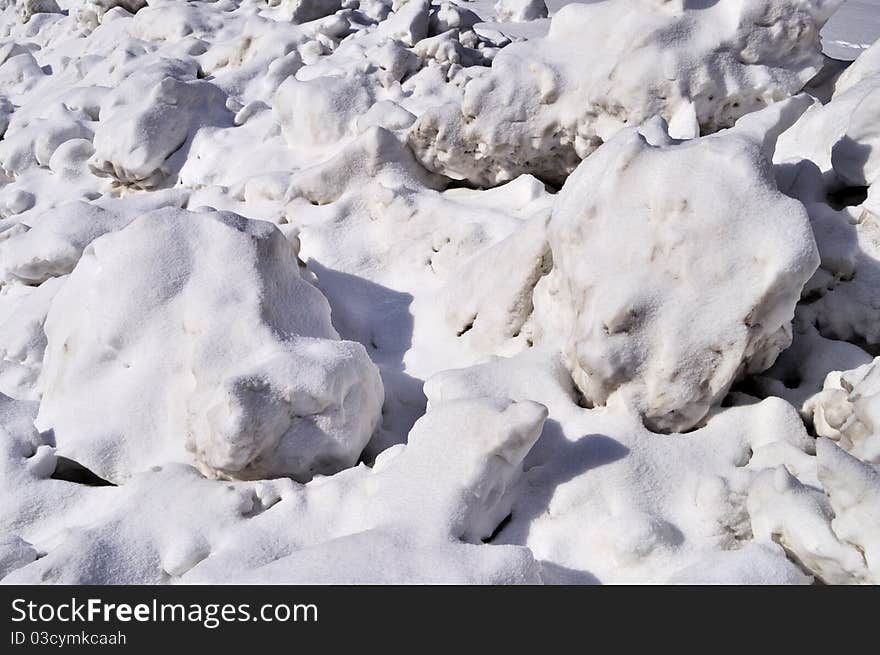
<point x="675" y="269"/>
<point x="191" y="336"/>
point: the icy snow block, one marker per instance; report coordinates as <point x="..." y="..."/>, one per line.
<point x="191" y="337"/>
<point x="548" y="103"/>
<point x="669" y="280"/>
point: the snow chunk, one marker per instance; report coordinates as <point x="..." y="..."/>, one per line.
<point x="848" y="410"/>
<point x="669" y="281"/>
<point x="303" y="11"/>
<point x="472" y="451"/>
<point x="548" y="103"/>
<point x="322" y="111"/>
<point x="489" y="298"/>
<point x="15" y="552"/>
<point x="27" y="8"/>
<point x="832" y="531"/>
<point x="150" y="117"/>
<point x="842" y="137"/>
<point x="54" y="245"/>
<point x="853" y="489"/>
<point x="22" y="340"/>
<point x="798" y="518"/>
<point x="89" y="13"/>
<point x="204" y="344"/>
<point x="520" y="11"/>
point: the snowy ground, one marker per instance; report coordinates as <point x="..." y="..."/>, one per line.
<point x="853" y="29"/>
<point x="372" y="291"/>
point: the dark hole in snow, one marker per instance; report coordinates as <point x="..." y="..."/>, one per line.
<point x="467" y="327"/>
<point x="72" y="471"/>
<point x="504" y="522"/>
<point x="579" y="398"/>
<point x="849" y="196"/>
<point x="792" y="381"/>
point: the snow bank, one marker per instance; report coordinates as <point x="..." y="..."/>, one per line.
<point x="828" y="160"/>
<point x="378" y="526"/>
<point x="204" y="343"/>
<point x="642" y="235"/>
<point x="548" y="103"/>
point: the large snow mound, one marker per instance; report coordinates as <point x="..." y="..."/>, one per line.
<point x="642" y="235"/>
<point x="374" y="291"/>
<point x="548" y="103"/>
<point x="206" y="345"/>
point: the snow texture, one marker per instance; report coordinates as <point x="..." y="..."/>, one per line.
<point x="430" y="291"/>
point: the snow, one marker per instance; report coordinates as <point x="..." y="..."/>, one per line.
<point x="855" y="27"/>
<point x="540" y="109"/>
<point x="219" y="350"/>
<point x="436" y="291"/>
<point x="627" y="238"/>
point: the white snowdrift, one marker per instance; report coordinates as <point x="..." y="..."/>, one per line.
<point x="381" y="525"/>
<point x="548" y="103"/>
<point x="828" y="160"/>
<point x="842" y="137"/>
<point x="189" y="356"/>
<point x="831" y="531"/>
<point x="203" y="343"/>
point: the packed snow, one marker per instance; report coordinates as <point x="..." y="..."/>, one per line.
<point x="439" y="291"/>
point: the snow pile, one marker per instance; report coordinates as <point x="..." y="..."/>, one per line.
<point x="830" y="531"/>
<point x="829" y="161"/>
<point x="487" y="301"/>
<point x="842" y="137"/>
<point x="548" y="103"/>
<point x="379" y="525"/>
<point x="150" y="117"/>
<point x="251" y="331"/>
<point x="640" y="236"/>
<point x="216" y="347"/>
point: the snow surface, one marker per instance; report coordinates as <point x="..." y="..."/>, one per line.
<point x="429" y="291"/>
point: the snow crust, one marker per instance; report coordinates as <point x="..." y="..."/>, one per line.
<point x="362" y="291"/>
